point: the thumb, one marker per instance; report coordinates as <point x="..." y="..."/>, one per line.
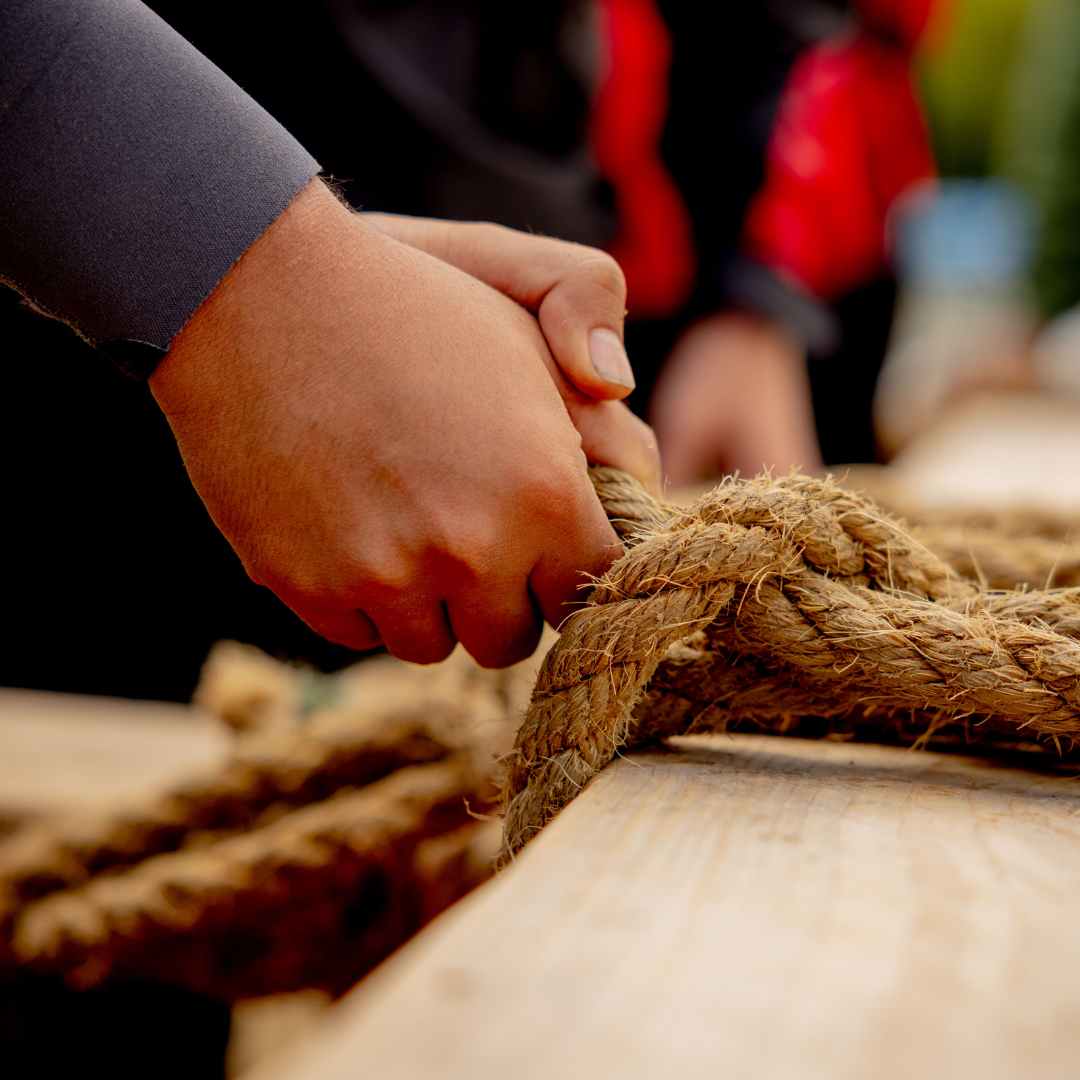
<point x="581" y="317"/>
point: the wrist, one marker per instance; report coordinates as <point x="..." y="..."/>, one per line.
<point x="278" y="273"/>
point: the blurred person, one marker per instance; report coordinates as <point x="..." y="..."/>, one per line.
<point x="609" y="124"/>
<point x="785" y="162"/>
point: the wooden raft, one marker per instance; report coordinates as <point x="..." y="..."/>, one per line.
<point x="750" y="907"/>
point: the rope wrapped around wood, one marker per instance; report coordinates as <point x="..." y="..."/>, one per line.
<point x="781" y="597"/>
<point x="331" y="834"/>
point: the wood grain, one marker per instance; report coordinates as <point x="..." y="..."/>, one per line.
<point x="751" y="907"/>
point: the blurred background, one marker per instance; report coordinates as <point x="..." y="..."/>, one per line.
<point x="838" y="219"/>
<point x="851" y="234"/>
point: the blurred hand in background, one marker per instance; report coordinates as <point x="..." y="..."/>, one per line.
<point x="734" y="397"/>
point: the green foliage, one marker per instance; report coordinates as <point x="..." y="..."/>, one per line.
<point x="965" y="80"/>
<point x="1040" y="147"/>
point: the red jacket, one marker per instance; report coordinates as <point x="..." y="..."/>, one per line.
<point x="847" y="140"/>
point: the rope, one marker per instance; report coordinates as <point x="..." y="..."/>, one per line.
<point x="288" y="770"/>
<point x="839" y="607"/>
<point x="882" y="485"/>
<point x="1001" y="561"/>
<point x="317" y="848"/>
<point x="174" y="916"/>
<point x="333" y="832"/>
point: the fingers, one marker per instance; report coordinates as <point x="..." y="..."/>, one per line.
<point x="498" y="622"/>
<point x="577" y="293"/>
<point x="353" y="629"/>
<point x="498" y="619"/>
<point x="414" y="628"/>
<point x="561" y="579"/>
<point x="612" y="435"/>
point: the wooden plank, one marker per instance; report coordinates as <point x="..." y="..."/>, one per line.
<point x="998" y="449"/>
<point x="62" y="752"/>
<point x="750" y="907"/>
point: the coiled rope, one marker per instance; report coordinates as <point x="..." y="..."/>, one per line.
<point x="779" y="598"/>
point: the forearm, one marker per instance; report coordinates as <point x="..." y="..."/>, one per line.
<point x="134" y="172"/>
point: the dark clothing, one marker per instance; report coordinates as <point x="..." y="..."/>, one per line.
<point x="116" y="581"/>
<point x="123" y="1031"/>
<point x="121" y="583"/>
<point x="467" y="110"/>
<point x="720" y="120"/>
<point x="133" y="173"/>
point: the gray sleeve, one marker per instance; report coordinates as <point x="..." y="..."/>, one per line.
<point x="133" y="173"/>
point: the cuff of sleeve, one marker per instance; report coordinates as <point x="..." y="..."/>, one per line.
<point x="754" y="287"/>
<point x="134" y="172"/>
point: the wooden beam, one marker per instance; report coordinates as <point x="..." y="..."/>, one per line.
<point x="61" y="752"/>
<point x="750" y="907"/>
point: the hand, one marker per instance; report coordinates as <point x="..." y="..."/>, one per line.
<point x="578" y="295"/>
<point x="734" y="396"/>
<point x="379" y="437"/>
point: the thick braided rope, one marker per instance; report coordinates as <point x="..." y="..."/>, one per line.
<point x="392" y="715"/>
<point x="285" y="769"/>
<point x="1001" y="561"/>
<point x="796" y="573"/>
<point x="836" y="531"/>
<point x="1002" y="548"/>
<point x="173" y="911"/>
<point x="696" y="692"/>
<point x="216" y="883"/>
<point x="883" y="486"/>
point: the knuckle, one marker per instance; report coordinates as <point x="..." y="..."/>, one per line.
<point x="606" y="274"/>
<point x="596" y="280"/>
<point x="553" y="495"/>
<point x="491" y="559"/>
<point x="462" y="556"/>
<point x="358" y="574"/>
<point x="388" y="577"/>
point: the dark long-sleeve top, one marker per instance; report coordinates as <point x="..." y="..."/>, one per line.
<point x="133" y="172"/>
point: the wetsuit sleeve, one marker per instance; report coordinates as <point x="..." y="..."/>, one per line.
<point x="133" y="172"/>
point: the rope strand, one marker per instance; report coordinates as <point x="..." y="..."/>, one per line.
<point x="838" y="606"/>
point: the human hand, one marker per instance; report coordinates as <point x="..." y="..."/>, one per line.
<point x="578" y="295"/>
<point x="380" y="438"/>
<point x="734" y="396"/>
